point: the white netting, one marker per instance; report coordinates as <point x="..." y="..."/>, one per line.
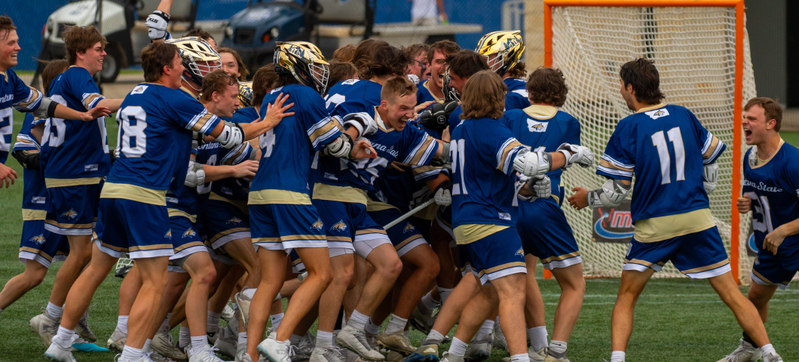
<point x="694" y="51"/>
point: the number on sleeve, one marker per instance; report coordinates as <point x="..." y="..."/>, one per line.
<point x="55" y="128"/>
<point x="458" y="152"/>
<point x="761" y="207"/>
<point x="133" y="122"/>
<point x="659" y="141"/>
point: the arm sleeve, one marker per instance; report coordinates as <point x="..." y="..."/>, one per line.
<point x="319" y="126"/>
<point x="89" y="94"/>
<point x="237" y="155"/>
<point x="712" y="147"/>
<point x="503" y="147"/>
<point x="418" y="147"/>
<point x="616" y="162"/>
<point x="192" y="115"/>
<point x="26" y="99"/>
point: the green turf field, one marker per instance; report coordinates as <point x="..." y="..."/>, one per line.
<point x="676" y="319"/>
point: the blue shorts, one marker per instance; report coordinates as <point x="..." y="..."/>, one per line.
<point x="41" y="245"/>
<point x="699" y="255"/>
<point x="422" y="226"/>
<point x="464" y="261"/>
<point x="186" y="240"/>
<point x="286" y="226"/>
<point x="497" y="255"/>
<point x="223" y="222"/>
<point x="348" y="226"/>
<point x="546" y="234"/>
<point x="143" y="230"/>
<point x="770" y="269"/>
<point x="73" y="209"/>
<point x="403" y="236"/>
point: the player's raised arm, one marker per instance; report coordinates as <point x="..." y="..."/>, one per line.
<point x="158" y="21"/>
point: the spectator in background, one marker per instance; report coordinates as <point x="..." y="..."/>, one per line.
<point x="417" y="62"/>
<point x="342" y="71"/>
<point x="344" y="54"/>
<point x="204" y="35"/>
<point x="232" y="64"/>
<point x="428" y="12"/>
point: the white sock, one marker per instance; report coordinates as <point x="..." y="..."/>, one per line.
<point x="433" y="337"/>
<point x="184" y="338"/>
<point x="165" y="325"/>
<point x="522" y="357"/>
<point x="444" y="293"/>
<point x="278" y="297"/>
<point x="372" y="328"/>
<point x="198" y="342"/>
<point x="122" y="323"/>
<point x="54" y="310"/>
<point x="358" y="320"/>
<point x="767" y="349"/>
<point x="396" y="324"/>
<point x="429" y="303"/>
<point x="131" y="354"/>
<point x="64" y="337"/>
<point x="557" y="346"/>
<point x="243" y="339"/>
<point x="458" y="347"/>
<point x="538" y="337"/>
<point x="617" y="356"/>
<point x="213" y="322"/>
<point x="248" y="292"/>
<point x="486" y="328"/>
<point x="324" y="339"/>
<point x="295" y="339"/>
<point x="276" y="319"/>
<point x="146" y="347"/>
<point x="407" y="333"/>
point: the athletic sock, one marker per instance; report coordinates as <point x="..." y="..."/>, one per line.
<point x="444" y="293"/>
<point x="407" y="333"/>
<point x="429" y="303"/>
<point x="276" y="319"/>
<point x="749" y="340"/>
<point x="64" y="337"/>
<point x="767" y="349"/>
<point x="248" y="292"/>
<point x="372" y="328"/>
<point x="558" y="347"/>
<point x="395" y="324"/>
<point x="198" y="342"/>
<point x="358" y="320"/>
<point x="184" y="338"/>
<point x="324" y="339"/>
<point x="131" y="354"/>
<point x="165" y="326"/>
<point x="213" y="322"/>
<point x="146" y="347"/>
<point x="538" y="337"/>
<point x="486" y="328"/>
<point x="617" y="356"/>
<point x="54" y="310"/>
<point x="433" y="337"/>
<point x="122" y="324"/>
<point x="242" y="340"/>
<point x="458" y="347"/>
<point x="522" y="357"/>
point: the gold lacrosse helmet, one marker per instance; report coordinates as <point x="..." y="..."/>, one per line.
<point x="502" y="48"/>
<point x="245" y="94"/>
<point x="304" y="61"/>
<point x="199" y="58"/>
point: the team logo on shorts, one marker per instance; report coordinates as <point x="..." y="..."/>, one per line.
<point x="520" y="252"/>
<point x="339" y="226"/>
<point x="71" y="214"/>
<point x="318" y="225"/>
<point x="168" y="234"/>
<point x="38" y="239"/>
<point x="189" y="233"/>
<point x="233" y="220"/>
<point x="408" y="228"/>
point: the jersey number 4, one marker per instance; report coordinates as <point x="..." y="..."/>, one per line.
<point x="457" y="150"/>
<point x="659" y="140"/>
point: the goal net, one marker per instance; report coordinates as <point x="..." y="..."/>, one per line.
<point x="694" y="49"/>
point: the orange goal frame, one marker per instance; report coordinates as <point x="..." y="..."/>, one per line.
<point x="738" y="89"/>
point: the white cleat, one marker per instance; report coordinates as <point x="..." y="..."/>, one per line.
<point x="772" y="357"/>
<point x="355" y="340"/>
<point x="244" y="308"/>
<point x="745" y="352"/>
<point x="450" y="358"/>
<point x="206" y="354"/>
<point x="57" y="354"/>
<point x="305" y="348"/>
<point x="116" y="343"/>
<point x="555" y="357"/>
<point x="537" y="356"/>
<point x="227" y="342"/>
<point x="228" y="313"/>
<point x="326" y="355"/>
<point x="479" y="349"/>
<point x="162" y="344"/>
<point x="272" y="349"/>
<point x="371" y="339"/>
<point x="46" y="327"/>
<point x="82" y="328"/>
<point x="421" y="321"/>
<point x="396" y="342"/>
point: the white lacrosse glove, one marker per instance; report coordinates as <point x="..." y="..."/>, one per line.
<point x="532" y="163"/>
<point x="195" y="175"/>
<point x="443" y="195"/>
<point x="363" y="122"/>
<point x="156" y="25"/>
<point x="540" y="187"/>
<point x="580" y="155"/>
<point x="709" y="174"/>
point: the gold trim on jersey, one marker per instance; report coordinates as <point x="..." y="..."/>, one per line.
<point x="426" y="168"/>
<point x="37" y="252"/>
<point x="275" y="196"/>
<point x="189" y="245"/>
<point x="671" y="226"/>
<point x="200" y="124"/>
<point x="241" y="205"/>
<point x="422" y="150"/>
<point x="33" y="97"/>
<point x="187" y="90"/>
<point x="180" y="213"/>
<point x="144" y="195"/>
<point x="89" y="99"/>
<point x="339" y="193"/>
<point x="761" y="163"/>
<point x="607" y="164"/>
<point x="469" y="233"/>
<point x="541" y="112"/>
<point x="560" y="257"/>
<point x="228" y="232"/>
<point x="321" y="131"/>
<point x="370" y="231"/>
<point x="650" y="108"/>
<point x="714" y="143"/>
<point x="5" y="76"/>
<point x="380" y="123"/>
<point x="426" y="85"/>
<point x="503" y="160"/>
<point x="707" y="267"/>
<point x="33" y="215"/>
<point x="372" y="205"/>
<point x="66" y="182"/>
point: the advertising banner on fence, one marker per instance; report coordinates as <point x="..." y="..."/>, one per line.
<point x="612" y="225"/>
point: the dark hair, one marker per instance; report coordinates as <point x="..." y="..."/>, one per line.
<point x="399" y="86"/>
<point x="216" y="81"/>
<point x="379" y="59"/>
<point x="772" y="109"/>
<point x="344" y="53"/>
<point x="202" y="34"/>
<point x="6" y="25"/>
<point x="547" y="85"/>
<point x="483" y="96"/>
<point x="643" y="76"/>
<point x="466" y="62"/>
<point x="79" y="39"/>
<point x="154" y="57"/>
<point x="284" y="79"/>
<point x="412" y="51"/>
<point x="52" y="70"/>
<point x="446" y="47"/>
<point x="262" y="83"/>
<point x="341" y="71"/>
<point x="519" y="71"/>
<point x="243" y="72"/>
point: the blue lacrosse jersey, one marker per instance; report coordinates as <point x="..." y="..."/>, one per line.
<point x="411" y="146"/>
<point x="483" y="189"/>
<point x="231" y="187"/>
<point x="14" y="93"/>
<point x="364" y="91"/>
<point x="245" y="115"/>
<point x="666" y="147"/>
<point x="773" y="186"/>
<point x="545" y="128"/>
<point x="154" y="141"/>
<point x="287" y="150"/>
<point x="424" y="94"/>
<point x="517" y="97"/>
<point x="73" y="148"/>
<point x="34" y="193"/>
<point x="207" y="154"/>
